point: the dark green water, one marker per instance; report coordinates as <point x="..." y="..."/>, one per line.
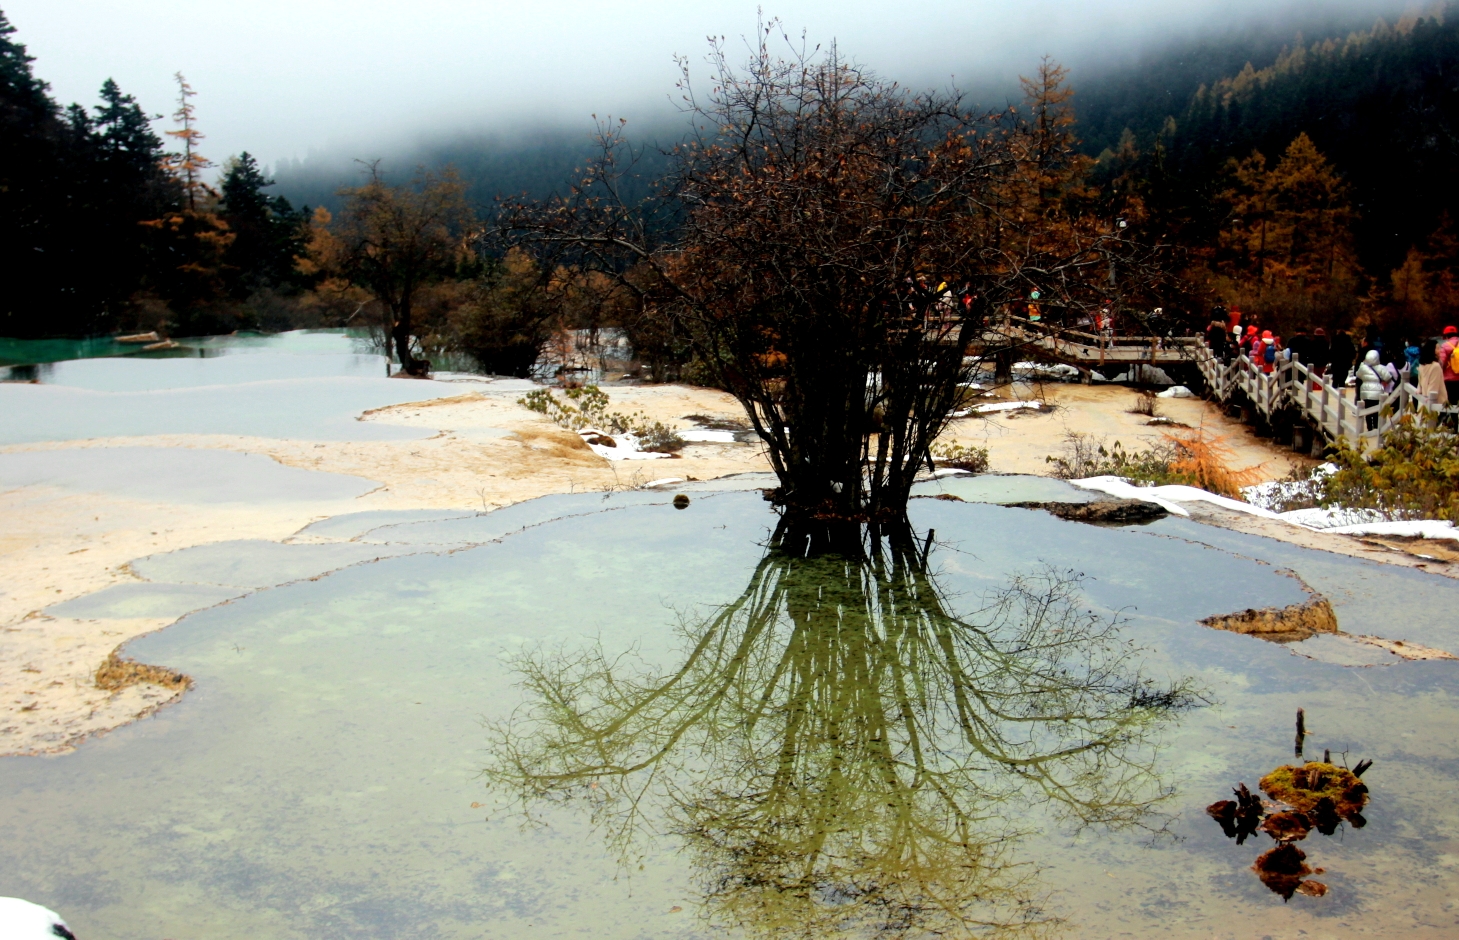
<point x="20" y="352"/>
<point x="712" y="739"/>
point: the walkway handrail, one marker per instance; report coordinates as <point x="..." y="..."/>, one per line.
<point x="1295" y="385"/>
<point x="1088" y="349"/>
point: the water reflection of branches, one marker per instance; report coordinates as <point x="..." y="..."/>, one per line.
<point x="841" y="752"/>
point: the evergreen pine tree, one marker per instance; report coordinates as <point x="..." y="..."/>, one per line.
<point x="32" y="138"/>
<point x="269" y="232"/>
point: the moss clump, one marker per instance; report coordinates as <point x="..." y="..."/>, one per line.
<point x="1303" y="788"/>
<point x="117" y="673"/>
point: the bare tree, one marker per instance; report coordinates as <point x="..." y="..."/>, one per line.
<point x="391" y="240"/>
<point x="833" y="244"/>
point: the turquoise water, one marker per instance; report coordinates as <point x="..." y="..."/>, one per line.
<point x="308" y="384"/>
<point x="20" y="352"/>
<point x="351" y="761"/>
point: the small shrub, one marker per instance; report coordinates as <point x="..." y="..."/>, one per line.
<point x="972" y="459"/>
<point x="1087" y="456"/>
<point x="1414" y="475"/>
<point x="587" y="407"/>
<point x="1147" y="404"/>
<point x="1206" y="462"/>
<point x="1190" y="459"/>
<point x="657" y="437"/>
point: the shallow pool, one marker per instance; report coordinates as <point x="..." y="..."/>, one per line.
<point x="620" y="719"/>
<point x="51" y="354"/>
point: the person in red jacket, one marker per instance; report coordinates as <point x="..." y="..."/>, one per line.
<point x="1446" y="359"/>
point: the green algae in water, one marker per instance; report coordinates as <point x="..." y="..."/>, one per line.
<point x="319" y="779"/>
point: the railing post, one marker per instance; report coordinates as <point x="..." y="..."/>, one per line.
<point x="1322" y="407"/>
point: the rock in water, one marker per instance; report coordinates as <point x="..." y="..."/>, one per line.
<point x="1280" y="624"/>
<point x="1101" y="511"/>
<point x="1282" y="869"/>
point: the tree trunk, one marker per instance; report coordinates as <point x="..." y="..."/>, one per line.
<point x="400" y="333"/>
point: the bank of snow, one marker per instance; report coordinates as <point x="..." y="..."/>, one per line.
<point x="1336" y="521"/>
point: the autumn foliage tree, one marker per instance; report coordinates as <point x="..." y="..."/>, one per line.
<point x="1287" y="246"/>
<point x="394" y="240"/>
<point x="831" y="244"/>
<point x="1424" y="290"/>
<point x="191" y="240"/>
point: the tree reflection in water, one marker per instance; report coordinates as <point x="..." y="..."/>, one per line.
<point x="840" y="752"/>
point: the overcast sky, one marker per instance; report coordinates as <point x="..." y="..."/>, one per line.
<point x="282" y="78"/>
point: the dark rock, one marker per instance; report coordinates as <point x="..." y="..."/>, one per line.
<point x="1101" y="511"/>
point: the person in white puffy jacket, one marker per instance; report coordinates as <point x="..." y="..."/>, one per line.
<point x="1370" y="385"/>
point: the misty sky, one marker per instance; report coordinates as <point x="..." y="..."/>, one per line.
<point x="282" y="79"/>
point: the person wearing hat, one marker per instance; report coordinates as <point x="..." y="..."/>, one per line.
<point x="1249" y="339"/>
<point x="1267" y="352"/>
<point x="1447" y="361"/>
<point x="1370" y="385"/>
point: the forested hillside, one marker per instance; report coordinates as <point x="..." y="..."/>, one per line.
<point x="1381" y="104"/>
<point x="1303" y="179"/>
<point x="102" y="227"/>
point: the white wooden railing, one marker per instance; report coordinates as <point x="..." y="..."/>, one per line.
<point x="1322" y="405"/>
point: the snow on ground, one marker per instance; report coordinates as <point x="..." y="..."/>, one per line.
<point x="1047" y="370"/>
<point x="708" y="436"/>
<point x="1407" y="528"/>
<point x="997" y="406"/>
<point x="1142" y="373"/>
<point x="1337" y="521"/>
<point x="1273" y="493"/>
<point x="1007" y="406"/>
<point x="624" y="446"/>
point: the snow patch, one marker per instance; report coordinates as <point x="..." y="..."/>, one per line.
<point x="1007" y="406"/>
<point x="1409" y="528"/>
<point x="1056" y="370"/>
<point x="707" y="436"/>
<point x="626" y="446"/>
<point x="1337" y="521"/>
<point x="1146" y="374"/>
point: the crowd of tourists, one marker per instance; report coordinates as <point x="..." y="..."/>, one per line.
<point x="1372" y="367"/>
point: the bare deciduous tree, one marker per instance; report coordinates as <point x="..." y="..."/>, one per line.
<point x="833" y="244"/>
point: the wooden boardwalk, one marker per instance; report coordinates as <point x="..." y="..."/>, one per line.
<point x="1085" y="350"/>
<point x="1293" y="396"/>
<point x="1292" y="400"/>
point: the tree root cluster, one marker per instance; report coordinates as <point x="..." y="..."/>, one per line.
<point x="1313" y="795"/>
